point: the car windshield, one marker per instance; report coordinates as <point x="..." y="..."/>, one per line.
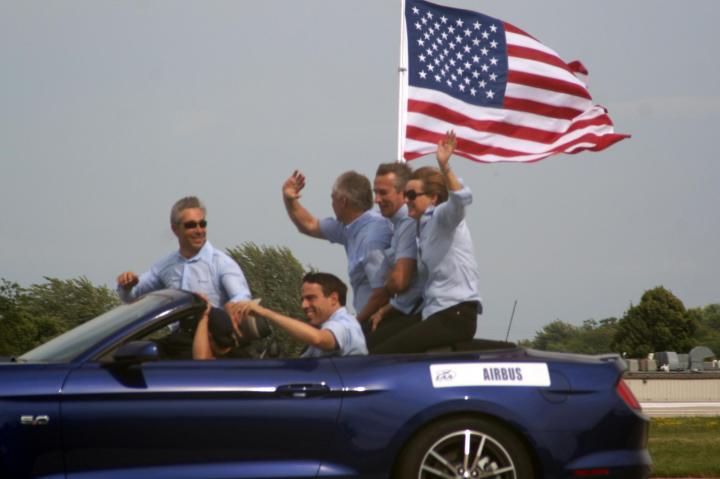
<point x="70" y="344"/>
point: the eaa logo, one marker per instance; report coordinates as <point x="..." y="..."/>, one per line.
<point x="445" y="375"/>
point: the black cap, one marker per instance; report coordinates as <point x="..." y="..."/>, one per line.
<point x="221" y="327"/>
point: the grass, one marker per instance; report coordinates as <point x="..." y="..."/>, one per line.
<point x="685" y="446"/>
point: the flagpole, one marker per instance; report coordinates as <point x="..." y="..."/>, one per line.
<point x="402" y="87"/>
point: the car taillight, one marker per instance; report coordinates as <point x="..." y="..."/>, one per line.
<point x="627" y="395"/>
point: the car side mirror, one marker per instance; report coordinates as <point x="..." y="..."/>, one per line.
<point x="136" y="352"/>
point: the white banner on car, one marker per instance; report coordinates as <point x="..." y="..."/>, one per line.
<point x="489" y="374"/>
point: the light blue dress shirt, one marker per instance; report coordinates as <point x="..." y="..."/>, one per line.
<point x="348" y="336"/>
<point x="404" y="245"/>
<point x="210" y="272"/>
<point x="446" y="256"/>
<point x="365" y="241"/>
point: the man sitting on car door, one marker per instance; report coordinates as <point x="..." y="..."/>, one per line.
<point x="196" y="266"/>
<point x="331" y="329"/>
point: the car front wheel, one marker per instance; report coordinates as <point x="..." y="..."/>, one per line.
<point x="465" y="448"/>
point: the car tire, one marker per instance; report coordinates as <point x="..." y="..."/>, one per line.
<point x="439" y="451"/>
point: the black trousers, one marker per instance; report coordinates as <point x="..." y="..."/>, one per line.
<point x="393" y="323"/>
<point x="444" y="328"/>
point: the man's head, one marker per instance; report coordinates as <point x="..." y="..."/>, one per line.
<point x="187" y="219"/>
<point x="222" y="334"/>
<point x="321" y="294"/>
<point x="351" y="196"/>
<point x="389" y="186"/>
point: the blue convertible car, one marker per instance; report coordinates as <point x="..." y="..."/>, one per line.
<point x="105" y="401"/>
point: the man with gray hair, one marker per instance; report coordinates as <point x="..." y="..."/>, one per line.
<point x="197" y="266"/>
<point x="362" y="231"/>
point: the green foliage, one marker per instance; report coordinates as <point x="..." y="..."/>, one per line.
<point x="659" y="323"/>
<point x="14" y="329"/>
<point x="593" y="337"/>
<point x="708" y="331"/>
<point x="34" y="315"/>
<point x="274" y="275"/>
<point x="71" y="302"/>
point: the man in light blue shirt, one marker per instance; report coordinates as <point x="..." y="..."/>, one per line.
<point x="364" y="233"/>
<point x="447" y="254"/>
<point x="437" y="199"/>
<point x="331" y="331"/>
<point x="402" y="283"/>
<point x="196" y="266"/>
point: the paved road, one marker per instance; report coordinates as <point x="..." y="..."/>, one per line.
<point x="671" y="409"/>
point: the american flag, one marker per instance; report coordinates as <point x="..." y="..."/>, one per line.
<point x="507" y="96"/>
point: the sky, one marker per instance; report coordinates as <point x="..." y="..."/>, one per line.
<point x="112" y="110"/>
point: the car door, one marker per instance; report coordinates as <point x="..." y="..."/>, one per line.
<point x="225" y="419"/>
<point x="30" y="420"/>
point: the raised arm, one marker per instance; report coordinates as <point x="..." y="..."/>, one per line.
<point x="445" y="149"/>
<point x="305" y="222"/>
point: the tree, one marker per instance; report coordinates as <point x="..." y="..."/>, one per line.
<point x="708" y="332"/>
<point x="659" y="323"/>
<point x="71" y="302"/>
<point x="274" y="275"/>
<point x="593" y="337"/>
<point x="554" y="336"/>
<point x="14" y="330"/>
<point x="34" y="315"/>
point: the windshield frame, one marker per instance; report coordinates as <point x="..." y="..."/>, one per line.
<point x="75" y="343"/>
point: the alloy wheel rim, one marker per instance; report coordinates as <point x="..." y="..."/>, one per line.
<point x="467" y="454"/>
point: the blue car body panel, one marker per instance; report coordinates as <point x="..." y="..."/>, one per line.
<point x="295" y="418"/>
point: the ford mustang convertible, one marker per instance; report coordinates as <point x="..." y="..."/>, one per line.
<point x="109" y="399"/>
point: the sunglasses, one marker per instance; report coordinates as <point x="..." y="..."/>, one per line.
<point x="189" y="225"/>
<point x="412" y="194"/>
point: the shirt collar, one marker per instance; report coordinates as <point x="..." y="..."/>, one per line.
<point x="359" y="222"/>
<point x="205" y="254"/>
<point x="341" y="311"/>
<point x="399" y="215"/>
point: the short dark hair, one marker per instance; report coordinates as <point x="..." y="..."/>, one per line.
<point x="433" y="182"/>
<point x="401" y="171"/>
<point x="329" y="283"/>
<point x="356" y="188"/>
<point x="184" y="204"/>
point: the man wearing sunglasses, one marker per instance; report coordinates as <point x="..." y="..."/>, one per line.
<point x="197" y="266"/>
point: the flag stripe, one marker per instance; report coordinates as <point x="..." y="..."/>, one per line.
<point x="510" y="28"/>
<point x="530" y="106"/>
<point x="439" y="112"/>
<point x="543" y="70"/>
<point x="523" y="40"/>
<point x="484" y="154"/>
<point x="488" y="113"/>
<point x="545" y="83"/>
<point x="515" y="138"/>
<point x="528" y="92"/>
<point x="532" y="54"/>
